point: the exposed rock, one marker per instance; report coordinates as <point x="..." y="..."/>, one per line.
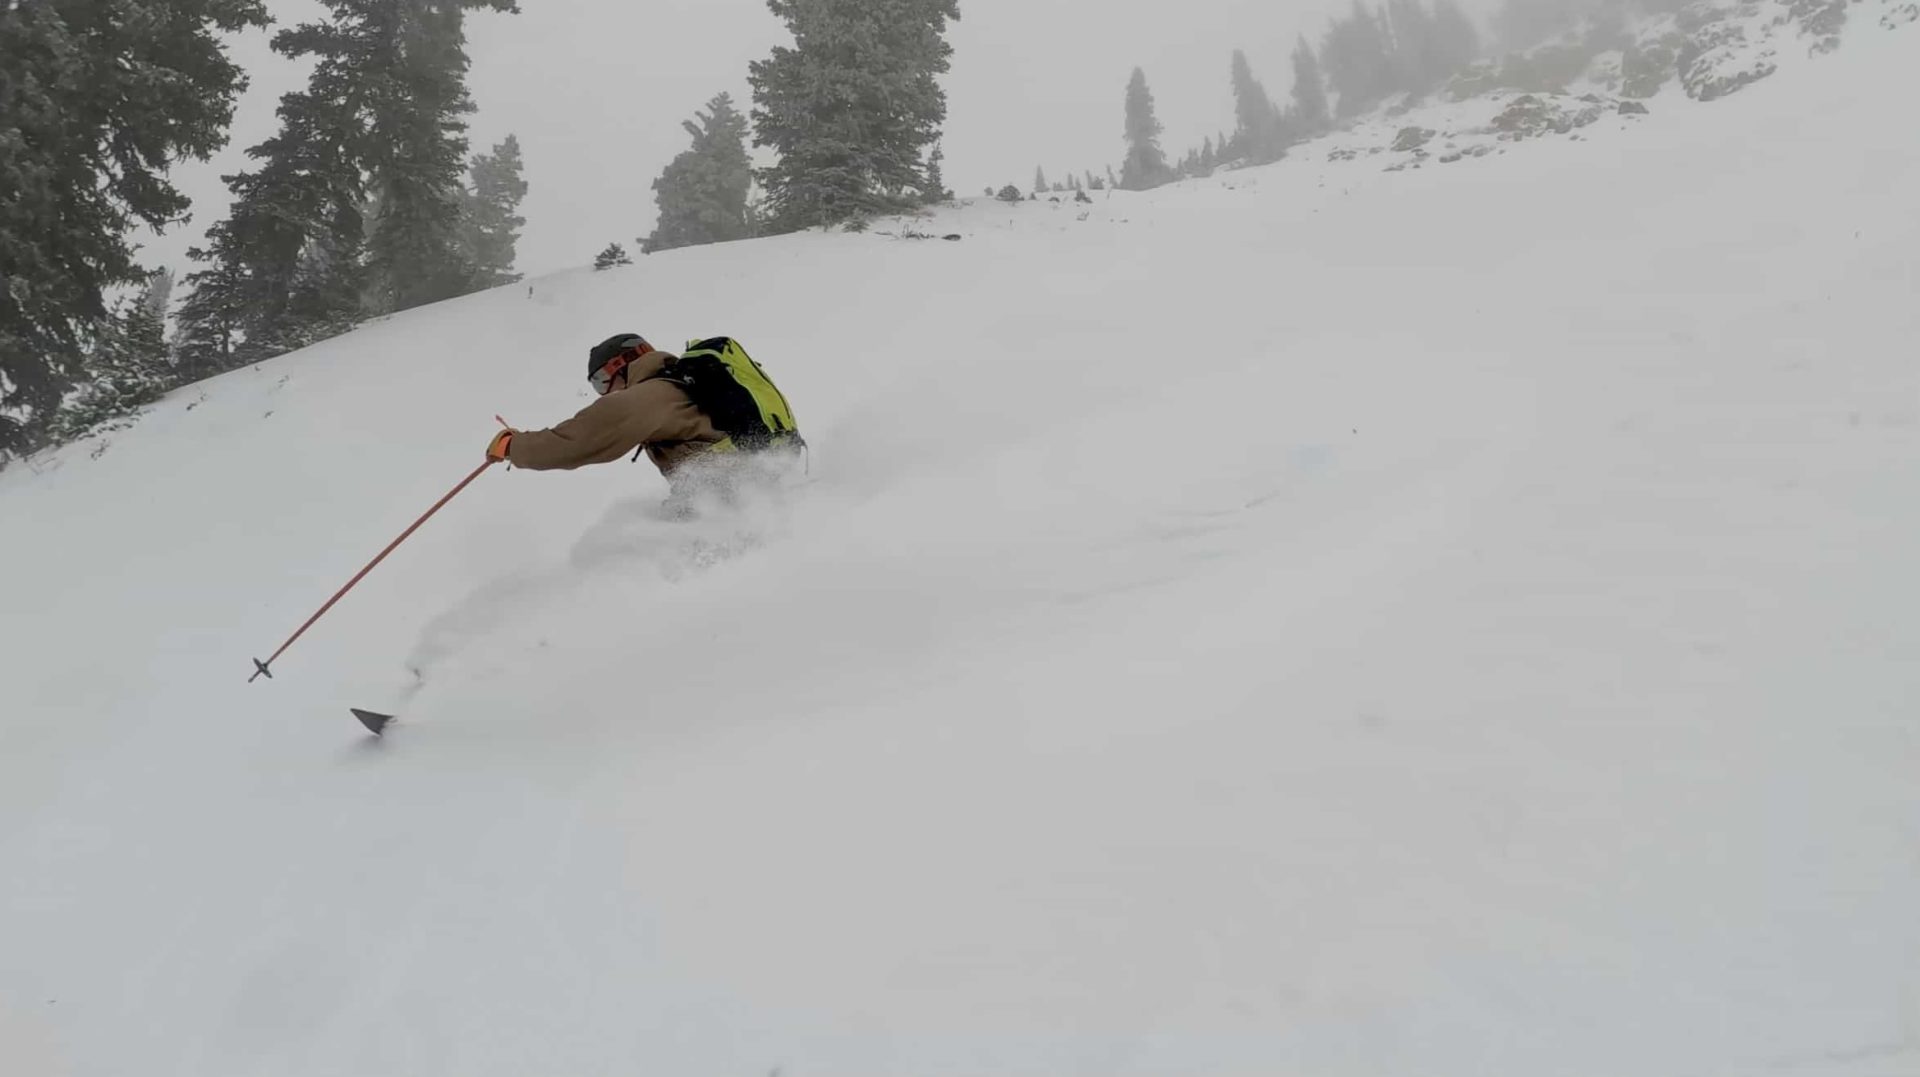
<point x="1821" y="20"/>
<point x="1632" y="108"/>
<point x="1899" y="15"/>
<point x="1412" y="138"/>
<point x="1647" y="64"/>
<point x="1530" y="117"/>
<point x="1717" y="59"/>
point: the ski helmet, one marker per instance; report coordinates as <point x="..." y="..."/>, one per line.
<point x="615" y="345"/>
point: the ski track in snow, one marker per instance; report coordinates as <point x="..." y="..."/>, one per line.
<point x="1308" y="621"/>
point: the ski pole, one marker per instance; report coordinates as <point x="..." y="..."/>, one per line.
<point x="260" y="667"/>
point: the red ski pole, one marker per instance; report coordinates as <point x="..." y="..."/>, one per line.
<point x="261" y="667"/>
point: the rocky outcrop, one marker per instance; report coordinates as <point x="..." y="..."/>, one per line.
<point x="1530" y="116"/>
<point x="1412" y="138"/>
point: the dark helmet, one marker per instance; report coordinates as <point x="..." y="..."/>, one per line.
<point x="615" y="345"/>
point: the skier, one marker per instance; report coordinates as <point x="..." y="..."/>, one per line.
<point x="697" y="416"/>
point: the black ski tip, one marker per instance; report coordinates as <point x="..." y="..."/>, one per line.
<point x="375" y="723"/>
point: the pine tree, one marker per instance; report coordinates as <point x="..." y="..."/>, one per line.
<point x="1258" y="121"/>
<point x="357" y="202"/>
<point x="614" y="255"/>
<point x="936" y="189"/>
<point x="702" y="194"/>
<point x="211" y="322"/>
<point x="127" y="365"/>
<point x="1409" y="41"/>
<point x="1358" y="60"/>
<point x="851" y="107"/>
<point x="1456" y="41"/>
<point x="284" y="268"/>
<point x="1208" y="157"/>
<point x="1040" y="185"/>
<point x="1310" y="111"/>
<point x="415" y="81"/>
<point x="1145" y="165"/>
<point x="491" y="221"/>
<point x="95" y="100"/>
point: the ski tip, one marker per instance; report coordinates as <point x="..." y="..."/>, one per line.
<point x="375" y="723"/>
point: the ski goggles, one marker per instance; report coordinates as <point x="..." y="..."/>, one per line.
<point x="602" y="379"/>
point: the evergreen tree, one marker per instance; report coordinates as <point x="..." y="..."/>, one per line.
<point x="1358" y="60"/>
<point x="211" y="321"/>
<point x="1456" y="41"/>
<point x="1040" y="185"/>
<point x="1408" y="37"/>
<point x="702" y="195"/>
<point x="936" y="190"/>
<point x="614" y="255"/>
<point x="1258" y="132"/>
<point x="414" y="78"/>
<point x="1310" y="112"/>
<point x="126" y="365"/>
<point x="492" y="221"/>
<point x="357" y="203"/>
<point x="851" y="107"/>
<point x="1145" y="165"/>
<point x="285" y="265"/>
<point x="95" y="100"/>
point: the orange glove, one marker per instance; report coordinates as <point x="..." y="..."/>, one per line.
<point x="497" y="448"/>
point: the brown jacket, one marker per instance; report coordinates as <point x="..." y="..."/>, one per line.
<point x="650" y="412"/>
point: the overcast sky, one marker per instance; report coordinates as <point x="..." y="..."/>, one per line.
<point x="596" y="90"/>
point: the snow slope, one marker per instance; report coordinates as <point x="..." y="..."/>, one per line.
<point x="1313" y="621"/>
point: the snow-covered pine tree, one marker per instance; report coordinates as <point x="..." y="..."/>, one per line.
<point x="936" y="189"/>
<point x="127" y="365"/>
<point x="1309" y="112"/>
<point x="1408" y="37"/>
<point x="1040" y="184"/>
<point x="1145" y="165"/>
<point x="268" y="288"/>
<point x="702" y="194"/>
<point x="491" y="222"/>
<point x="381" y="124"/>
<point x="414" y="78"/>
<point x="851" y="106"/>
<point x="1456" y="41"/>
<point x="1357" y="57"/>
<point x="614" y="255"/>
<point x="1258" y="128"/>
<point x="95" y="100"/>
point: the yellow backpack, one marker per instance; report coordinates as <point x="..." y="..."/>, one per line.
<point x="733" y="391"/>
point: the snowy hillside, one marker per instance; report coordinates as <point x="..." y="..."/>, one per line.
<point x="1312" y="621"/>
<point x="1603" y="74"/>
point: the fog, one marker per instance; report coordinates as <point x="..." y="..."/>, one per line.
<point x="596" y="90"/>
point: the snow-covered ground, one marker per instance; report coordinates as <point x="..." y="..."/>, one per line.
<point x="1312" y="621"/>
